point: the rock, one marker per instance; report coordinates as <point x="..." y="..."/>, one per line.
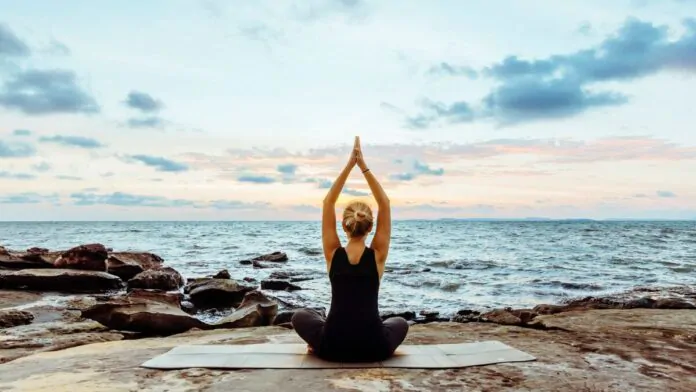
<point x="38" y="250"/>
<point x="91" y="257"/>
<point x="672" y="303"/>
<point x="212" y="293"/>
<point x="23" y="340"/>
<point x="142" y="315"/>
<point x="644" y="302"/>
<point x="467" y="316"/>
<point x="429" y="314"/>
<point x="254" y="311"/>
<point x="224" y="274"/>
<point x="171" y="298"/>
<point x="426" y="270"/>
<point x="18" y="260"/>
<point x="631" y="343"/>
<point x="62" y="280"/>
<point x="502" y="317"/>
<point x="12" y="318"/>
<point x="292" y="276"/>
<point x="249" y="279"/>
<point x="126" y="265"/>
<point x="258" y="264"/>
<point x="188" y="307"/>
<point x="245" y="262"/>
<point x="273" y="284"/>
<point x="407" y="315"/>
<point x="12" y="298"/>
<point x="161" y="278"/>
<point x="275" y="257"/>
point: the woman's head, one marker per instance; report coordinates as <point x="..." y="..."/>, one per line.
<point x="357" y="219"/>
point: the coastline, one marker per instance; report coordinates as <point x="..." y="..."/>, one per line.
<point x="102" y="298"/>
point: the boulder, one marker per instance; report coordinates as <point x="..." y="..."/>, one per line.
<point x="38" y="250"/>
<point x="255" y="310"/>
<point x="29" y="259"/>
<point x="508" y="316"/>
<point x="223" y="274"/>
<point x="173" y="298"/>
<point x="126" y="265"/>
<point x="212" y="293"/>
<point x="63" y="280"/>
<point x="292" y="276"/>
<point x="90" y="257"/>
<point x="161" y="278"/>
<point x="274" y="284"/>
<point x="672" y="303"/>
<point x="275" y="257"/>
<point x="467" y="316"/>
<point x="12" y="318"/>
<point x="142" y="315"/>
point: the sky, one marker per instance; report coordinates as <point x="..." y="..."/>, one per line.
<point x="226" y="110"/>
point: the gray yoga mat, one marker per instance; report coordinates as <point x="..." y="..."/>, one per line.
<point x="294" y="356"/>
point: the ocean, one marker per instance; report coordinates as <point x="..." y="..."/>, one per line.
<point x="436" y="265"/>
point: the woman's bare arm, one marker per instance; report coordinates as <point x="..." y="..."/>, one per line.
<point x="329" y="236"/>
<point x="382" y="238"/>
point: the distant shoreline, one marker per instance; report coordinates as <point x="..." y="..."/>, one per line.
<point x="516" y="220"/>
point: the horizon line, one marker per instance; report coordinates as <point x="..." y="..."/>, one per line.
<point x="530" y="219"/>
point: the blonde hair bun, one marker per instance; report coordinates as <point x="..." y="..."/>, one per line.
<point x="357" y="219"/>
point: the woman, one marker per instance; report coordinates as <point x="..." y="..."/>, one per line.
<point x="353" y="330"/>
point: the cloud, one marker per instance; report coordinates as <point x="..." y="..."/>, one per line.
<point x="261" y="33"/>
<point x="11" y="45"/>
<point x="16" y="150"/>
<point x="69" y="178"/>
<point x="146" y="122"/>
<point x="354" y="192"/>
<point x="42" y="167"/>
<point x="666" y="194"/>
<point x="127" y="199"/>
<point x="21" y="132"/>
<point x="314" y="10"/>
<point x="306" y="208"/>
<point x="564" y="85"/>
<point x="453" y="70"/>
<point x="256" y="179"/>
<point x="41" y="92"/>
<point x="419" y="169"/>
<point x="16" y="176"/>
<point x="160" y="163"/>
<point x="57" y="49"/>
<point x="27" y="198"/>
<point x="288" y="169"/>
<point x="236" y="205"/>
<point x="72" y="141"/>
<point x="457" y="112"/>
<point x="143" y="102"/>
<point x="640" y="196"/>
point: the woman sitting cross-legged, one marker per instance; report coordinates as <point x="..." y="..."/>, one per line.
<point x="353" y="330"/>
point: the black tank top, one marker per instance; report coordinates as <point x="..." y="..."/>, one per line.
<point x="353" y="329"/>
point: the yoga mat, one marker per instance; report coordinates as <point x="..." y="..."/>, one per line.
<point x="294" y="356"/>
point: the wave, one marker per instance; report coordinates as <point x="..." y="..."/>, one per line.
<point x="310" y="251"/>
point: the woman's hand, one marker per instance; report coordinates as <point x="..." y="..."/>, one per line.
<point x="357" y="152"/>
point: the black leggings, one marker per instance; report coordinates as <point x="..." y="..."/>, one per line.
<point x="309" y="324"/>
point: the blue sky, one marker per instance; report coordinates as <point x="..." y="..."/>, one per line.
<point x="246" y="110"/>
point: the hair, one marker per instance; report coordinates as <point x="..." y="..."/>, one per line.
<point x="357" y="219"/>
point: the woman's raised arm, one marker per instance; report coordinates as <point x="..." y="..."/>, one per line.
<point x="382" y="238"/>
<point x="329" y="236"/>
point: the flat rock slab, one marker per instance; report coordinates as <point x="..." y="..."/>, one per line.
<point x="294" y="356"/>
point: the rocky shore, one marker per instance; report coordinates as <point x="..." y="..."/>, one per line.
<point x="51" y="302"/>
